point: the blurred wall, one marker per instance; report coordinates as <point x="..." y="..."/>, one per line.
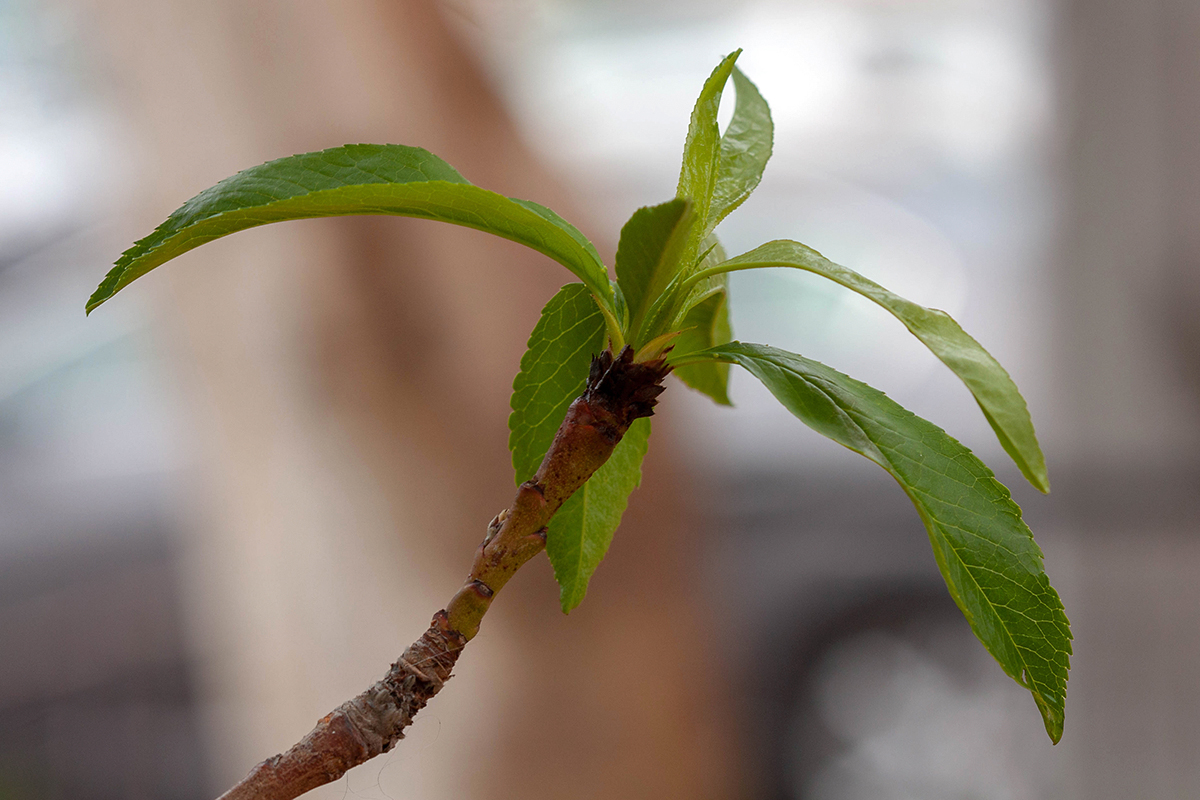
<point x="1129" y="260"/>
<point x="349" y="383"/>
<point x="1126" y="355"/>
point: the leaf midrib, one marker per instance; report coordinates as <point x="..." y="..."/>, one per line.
<point x="148" y="254"/>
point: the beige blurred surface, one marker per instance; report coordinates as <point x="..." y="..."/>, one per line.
<point x="345" y="385"/>
<point x="349" y="383"/>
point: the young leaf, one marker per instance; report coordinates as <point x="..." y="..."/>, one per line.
<point x="698" y="174"/>
<point x="719" y="172"/>
<point x="986" y="553"/>
<point x="357" y="179"/>
<point x="996" y="393"/>
<point x="553" y="372"/>
<point x="705" y="325"/>
<point x="745" y="150"/>
<point x="648" y="256"/>
<point x="580" y="533"/>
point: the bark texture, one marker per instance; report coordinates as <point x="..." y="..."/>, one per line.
<point x="618" y="392"/>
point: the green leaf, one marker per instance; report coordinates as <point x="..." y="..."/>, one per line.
<point x="745" y="150"/>
<point x="648" y="256"/>
<point x="986" y="553"/>
<point x="720" y="171"/>
<point x="357" y="179"/>
<point x="699" y="172"/>
<point x="996" y="393"/>
<point x="706" y="324"/>
<point x="553" y="372"/>
<point x="580" y="533"/>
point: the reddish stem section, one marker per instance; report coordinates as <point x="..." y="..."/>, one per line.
<point x="618" y="392"/>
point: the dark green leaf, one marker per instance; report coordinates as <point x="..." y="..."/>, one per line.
<point x="357" y="179"/>
<point x="580" y="533"/>
<point x="986" y="553"/>
<point x="993" y="389"/>
<point x="553" y="372"/>
<point x="648" y="256"/>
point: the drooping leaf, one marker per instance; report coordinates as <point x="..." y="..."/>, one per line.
<point x="580" y="533"/>
<point x="993" y="389"/>
<point x="986" y="553"/>
<point x="553" y="372"/>
<point x="648" y="256"/>
<point x="745" y="150"/>
<point x="357" y="179"/>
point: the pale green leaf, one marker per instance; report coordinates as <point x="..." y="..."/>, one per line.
<point x="706" y="324"/>
<point x="553" y="372"/>
<point x="986" y="553"/>
<point x="357" y="179"/>
<point x="745" y="150"/>
<point x="648" y="256"/>
<point x="993" y="389"/>
<point x="720" y="171"/>
<point x="699" y="172"/>
<point x="580" y="533"/>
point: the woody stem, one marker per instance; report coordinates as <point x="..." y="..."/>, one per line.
<point x="619" y="391"/>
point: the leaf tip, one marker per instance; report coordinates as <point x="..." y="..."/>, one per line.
<point x="1035" y="473"/>
<point x="569" y="600"/>
<point x="1052" y="715"/>
<point x="95" y="301"/>
<point x="1040" y="480"/>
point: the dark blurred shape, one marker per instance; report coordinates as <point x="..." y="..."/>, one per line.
<point x="97" y="693"/>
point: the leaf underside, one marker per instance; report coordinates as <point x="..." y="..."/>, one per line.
<point x="986" y="553"/>
<point x="350" y="180"/>
<point x="991" y="386"/>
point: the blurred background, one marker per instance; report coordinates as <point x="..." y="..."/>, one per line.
<point x="231" y="497"/>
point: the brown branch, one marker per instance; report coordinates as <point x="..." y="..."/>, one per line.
<point x="618" y="391"/>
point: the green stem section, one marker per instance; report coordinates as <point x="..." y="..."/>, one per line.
<point x="619" y="391"/>
<point x="721" y="269"/>
<point x="616" y="338"/>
